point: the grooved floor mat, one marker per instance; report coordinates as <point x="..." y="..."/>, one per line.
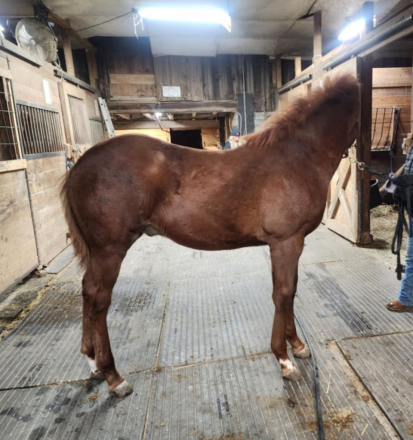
<point x="385" y="366"/>
<point x="191" y="331"/>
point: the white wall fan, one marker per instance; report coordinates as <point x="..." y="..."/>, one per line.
<point x="37" y="38"/>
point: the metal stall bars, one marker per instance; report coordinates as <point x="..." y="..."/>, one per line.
<point x="40" y="129"/>
<point x="384" y="125"/>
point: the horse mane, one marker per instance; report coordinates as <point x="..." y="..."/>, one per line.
<point x="343" y="89"/>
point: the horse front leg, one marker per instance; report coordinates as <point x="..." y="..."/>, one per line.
<point x="98" y="283"/>
<point x="284" y="259"/>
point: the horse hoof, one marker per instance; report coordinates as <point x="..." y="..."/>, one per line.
<point x="97" y="375"/>
<point x="289" y="371"/>
<point x="304" y="353"/>
<point x="122" y="390"/>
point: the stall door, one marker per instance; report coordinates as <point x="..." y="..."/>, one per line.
<point x="347" y="210"/>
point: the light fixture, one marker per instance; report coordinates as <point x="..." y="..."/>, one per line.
<point x="158" y="115"/>
<point x="352" y="30"/>
<point x="193" y="15"/>
<point x="1" y="31"/>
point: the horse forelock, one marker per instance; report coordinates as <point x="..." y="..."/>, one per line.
<point x="343" y="88"/>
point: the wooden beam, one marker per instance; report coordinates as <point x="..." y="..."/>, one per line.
<point x="278" y="81"/>
<point x="411" y="104"/>
<point x="123" y="116"/>
<point x="65" y="24"/>
<point x="297" y="64"/>
<point x="180" y="125"/>
<point x="91" y="65"/>
<point x="173" y="107"/>
<point x="170" y="116"/>
<point x="67" y="50"/>
<point x="317" y="39"/>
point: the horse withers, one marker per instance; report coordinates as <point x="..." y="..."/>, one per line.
<point x="270" y="191"/>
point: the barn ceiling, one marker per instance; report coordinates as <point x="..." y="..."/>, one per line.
<point x="258" y="27"/>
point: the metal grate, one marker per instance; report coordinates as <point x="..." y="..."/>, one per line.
<point x="96" y="129"/>
<point x="384" y="126"/>
<point x="9" y="144"/>
<point x="77" y="110"/>
<point x="40" y="128"/>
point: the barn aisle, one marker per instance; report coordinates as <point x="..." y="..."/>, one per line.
<point x="191" y="331"/>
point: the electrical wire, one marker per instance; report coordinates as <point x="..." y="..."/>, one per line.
<point x="317" y="394"/>
<point x="103" y="22"/>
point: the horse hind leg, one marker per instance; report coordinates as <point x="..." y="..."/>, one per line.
<point x="98" y="283"/>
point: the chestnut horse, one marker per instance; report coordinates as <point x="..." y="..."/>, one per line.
<point x="270" y="191"/>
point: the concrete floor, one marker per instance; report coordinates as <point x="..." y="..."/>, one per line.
<point x="191" y="331"/>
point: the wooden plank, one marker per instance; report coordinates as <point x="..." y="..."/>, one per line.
<point x="344" y="176"/>
<point x="116" y="78"/>
<point x="13" y="165"/>
<point x="392" y="77"/>
<point x="179" y="125"/>
<point x="392" y="101"/>
<point x="173" y="107"/>
<point x="162" y="135"/>
<point x="18" y="248"/>
<point x="297" y="65"/>
<point x="210" y="138"/>
<point x="67" y="50"/>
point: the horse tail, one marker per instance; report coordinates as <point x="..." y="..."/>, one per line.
<point x="79" y="242"/>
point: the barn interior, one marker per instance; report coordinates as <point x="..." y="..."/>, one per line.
<point x="190" y="329"/>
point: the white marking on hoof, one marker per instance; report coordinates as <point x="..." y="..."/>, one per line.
<point x="94" y="372"/>
<point x="289" y="371"/>
<point x="122" y="390"/>
<point x="304" y="353"/>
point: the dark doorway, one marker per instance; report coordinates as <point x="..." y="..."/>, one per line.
<point x="187" y="138"/>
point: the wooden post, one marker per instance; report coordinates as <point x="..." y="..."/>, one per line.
<point x="91" y="65"/>
<point x="411" y="107"/>
<point x="317" y="39"/>
<point x="279" y="80"/>
<point x="66" y="115"/>
<point x="67" y="50"/>
<point x="364" y="146"/>
<point x="297" y="62"/>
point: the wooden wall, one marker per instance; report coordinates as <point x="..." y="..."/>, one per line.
<point x="45" y="182"/>
<point x="210" y="138"/>
<point x="17" y="242"/>
<point x="131" y="70"/>
<point x="157" y="133"/>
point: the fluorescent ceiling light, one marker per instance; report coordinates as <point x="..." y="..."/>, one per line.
<point x="1" y="28"/>
<point x="193" y="15"/>
<point x="352" y="30"/>
<point x="158" y="115"/>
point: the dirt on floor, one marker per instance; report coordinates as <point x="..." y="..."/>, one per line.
<point x="383" y="221"/>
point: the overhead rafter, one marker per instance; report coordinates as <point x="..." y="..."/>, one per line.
<point x="66" y="25"/>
